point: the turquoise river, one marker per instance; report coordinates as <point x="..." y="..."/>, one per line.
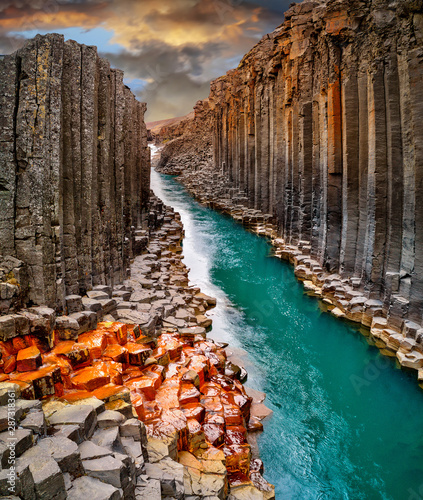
<point x="347" y="424"/>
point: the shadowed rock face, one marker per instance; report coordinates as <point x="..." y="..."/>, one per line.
<point x="74" y="167"/>
<point x="320" y="126"/>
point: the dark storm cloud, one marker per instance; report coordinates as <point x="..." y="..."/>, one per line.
<point x="173" y="47"/>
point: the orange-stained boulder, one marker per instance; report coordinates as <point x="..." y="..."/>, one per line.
<point x="189" y="394"/>
<point x="137" y="353"/>
<point x="194" y="411"/>
<point x="215" y="434"/>
<point x="77" y="354"/>
<point x="116" y="353"/>
<point x="45" y="380"/>
<point x="111" y="392"/>
<point x="28" y="359"/>
<point x="238" y="457"/>
<point x="235" y="434"/>
<point x="9" y="363"/>
<point x="95" y="341"/>
<point x="90" y="378"/>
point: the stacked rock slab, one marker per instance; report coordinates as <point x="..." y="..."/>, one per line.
<point x="319" y="126"/>
<point x="74" y="168"/>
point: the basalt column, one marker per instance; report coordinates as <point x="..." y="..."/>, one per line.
<point x="320" y="127"/>
<point x="74" y="168"/>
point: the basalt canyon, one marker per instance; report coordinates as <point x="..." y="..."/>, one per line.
<point x="316" y="134"/>
<point x="114" y="383"/>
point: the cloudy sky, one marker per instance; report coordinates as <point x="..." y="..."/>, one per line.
<point x="170" y="50"/>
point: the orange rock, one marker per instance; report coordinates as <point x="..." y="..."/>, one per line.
<point x="137" y="353"/>
<point x="28" y="359"/>
<point x="7" y="349"/>
<point x="214" y="433"/>
<point x="244" y="403"/>
<point x="77" y="354"/>
<point x="173" y="370"/>
<point x="194" y="426"/>
<point x="159" y="369"/>
<point x="75" y="395"/>
<point x="238" y="457"/>
<point x="171" y="344"/>
<point x="110" y="368"/>
<point x="44" y="380"/>
<point x="162" y="356"/>
<point x="147" y="410"/>
<point x="89" y="378"/>
<point x="156" y="377"/>
<point x="116" y="353"/>
<point x="95" y="341"/>
<point x="194" y="411"/>
<point x="19" y="344"/>
<point x="168" y="393"/>
<point x="27" y="389"/>
<point x="254" y="425"/>
<point x="122" y="334"/>
<point x="196" y="438"/>
<point x="9" y="364"/>
<point x="214" y="418"/>
<point x="42" y="343"/>
<point x="143" y="385"/>
<point x="64" y="365"/>
<point x="210" y="389"/>
<point x="112" y="392"/>
<point x="189" y="394"/>
<point x="3" y="377"/>
<point x="232" y="414"/>
<point x="216" y="361"/>
<point x="235" y="434"/>
<point x="238" y="478"/>
<point x="213" y="405"/>
<point x="131" y="372"/>
<point x="159" y="429"/>
<point x="224" y="382"/>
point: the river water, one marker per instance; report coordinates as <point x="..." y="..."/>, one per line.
<point x="347" y="424"/>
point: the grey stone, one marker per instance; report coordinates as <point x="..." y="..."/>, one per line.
<point x="108" y="438"/>
<point x="19" y="440"/>
<point x="110" y="418"/>
<point x="91" y="488"/>
<point x="107" y="469"/>
<point x="90" y="450"/>
<point x="72" y="432"/>
<point x="35" y="421"/>
<point x="65" y="452"/>
<point x="148" y="489"/>
<point x="97" y="295"/>
<point x="73" y="303"/>
<point x="84" y="416"/>
<point x="46" y="474"/>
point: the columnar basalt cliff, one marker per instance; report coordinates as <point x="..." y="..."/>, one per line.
<point x="320" y="127"/>
<point x="74" y="171"/>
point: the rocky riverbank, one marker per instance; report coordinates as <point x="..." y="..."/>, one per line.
<point x="126" y="396"/>
<point x="340" y="296"/>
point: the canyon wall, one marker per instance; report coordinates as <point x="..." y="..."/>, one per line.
<point x="320" y="126"/>
<point x="74" y="172"/>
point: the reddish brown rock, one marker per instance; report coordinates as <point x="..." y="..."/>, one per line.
<point x="28" y="359"/>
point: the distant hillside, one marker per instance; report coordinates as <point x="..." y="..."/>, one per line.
<point x="156" y="126"/>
